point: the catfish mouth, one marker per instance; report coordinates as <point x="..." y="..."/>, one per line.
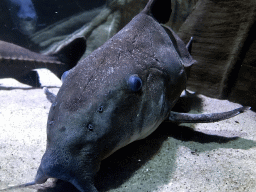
<point x="59" y="170"/>
<point x="40" y="176"/>
<point x="62" y="164"/>
<point x="51" y="167"/>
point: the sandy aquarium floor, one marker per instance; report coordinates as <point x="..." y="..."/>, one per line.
<point x="182" y="158"/>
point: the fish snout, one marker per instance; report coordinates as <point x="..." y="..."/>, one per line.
<point x="61" y="164"/>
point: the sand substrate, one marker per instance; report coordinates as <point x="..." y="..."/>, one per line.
<point x="188" y="157"/>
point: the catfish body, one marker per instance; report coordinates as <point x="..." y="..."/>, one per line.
<point x="96" y="111"/>
<point x="18" y="62"/>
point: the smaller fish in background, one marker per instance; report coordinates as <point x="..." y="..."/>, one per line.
<point x="18" y="63"/>
<point x="23" y="15"/>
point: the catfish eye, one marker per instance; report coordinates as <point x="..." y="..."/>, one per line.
<point x="64" y="75"/>
<point x="135" y="83"/>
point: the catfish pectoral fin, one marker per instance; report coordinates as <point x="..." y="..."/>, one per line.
<point x="205" y="118"/>
<point x="49" y="95"/>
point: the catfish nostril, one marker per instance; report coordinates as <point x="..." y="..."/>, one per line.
<point x="90" y="127"/>
<point x="62" y="129"/>
<point x="100" y="109"/>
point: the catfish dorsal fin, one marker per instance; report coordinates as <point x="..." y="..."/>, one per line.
<point x="71" y="51"/>
<point x="160" y="9"/>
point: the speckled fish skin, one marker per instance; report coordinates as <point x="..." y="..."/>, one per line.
<point x="79" y="135"/>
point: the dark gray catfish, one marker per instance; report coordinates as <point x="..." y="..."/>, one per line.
<point x="18" y="63"/>
<point x="119" y="94"/>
